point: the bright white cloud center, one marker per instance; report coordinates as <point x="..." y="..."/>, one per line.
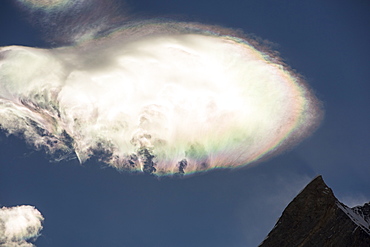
<point x="159" y="102"/>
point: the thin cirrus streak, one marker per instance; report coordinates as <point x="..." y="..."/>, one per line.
<point x="161" y="97"/>
<point x="47" y="4"/>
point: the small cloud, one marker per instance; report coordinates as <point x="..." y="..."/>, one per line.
<point x="18" y="225"/>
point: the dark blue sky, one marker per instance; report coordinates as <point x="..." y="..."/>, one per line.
<point x="88" y="205"/>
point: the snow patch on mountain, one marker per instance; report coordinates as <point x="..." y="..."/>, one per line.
<point x="360" y="215"/>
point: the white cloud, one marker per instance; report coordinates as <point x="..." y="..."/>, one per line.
<point x="160" y="97"/>
<point x="148" y="104"/>
<point x="18" y="225"/>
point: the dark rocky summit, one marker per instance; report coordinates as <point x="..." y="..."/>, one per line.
<point x="316" y="218"/>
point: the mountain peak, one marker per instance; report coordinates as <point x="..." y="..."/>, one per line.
<point x="315" y="217"/>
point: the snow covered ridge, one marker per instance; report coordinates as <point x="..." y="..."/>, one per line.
<point x="360" y="215"/>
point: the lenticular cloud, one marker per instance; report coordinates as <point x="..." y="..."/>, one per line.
<point x="159" y="97"/>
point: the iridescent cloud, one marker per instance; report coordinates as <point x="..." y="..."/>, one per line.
<point x="156" y="96"/>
